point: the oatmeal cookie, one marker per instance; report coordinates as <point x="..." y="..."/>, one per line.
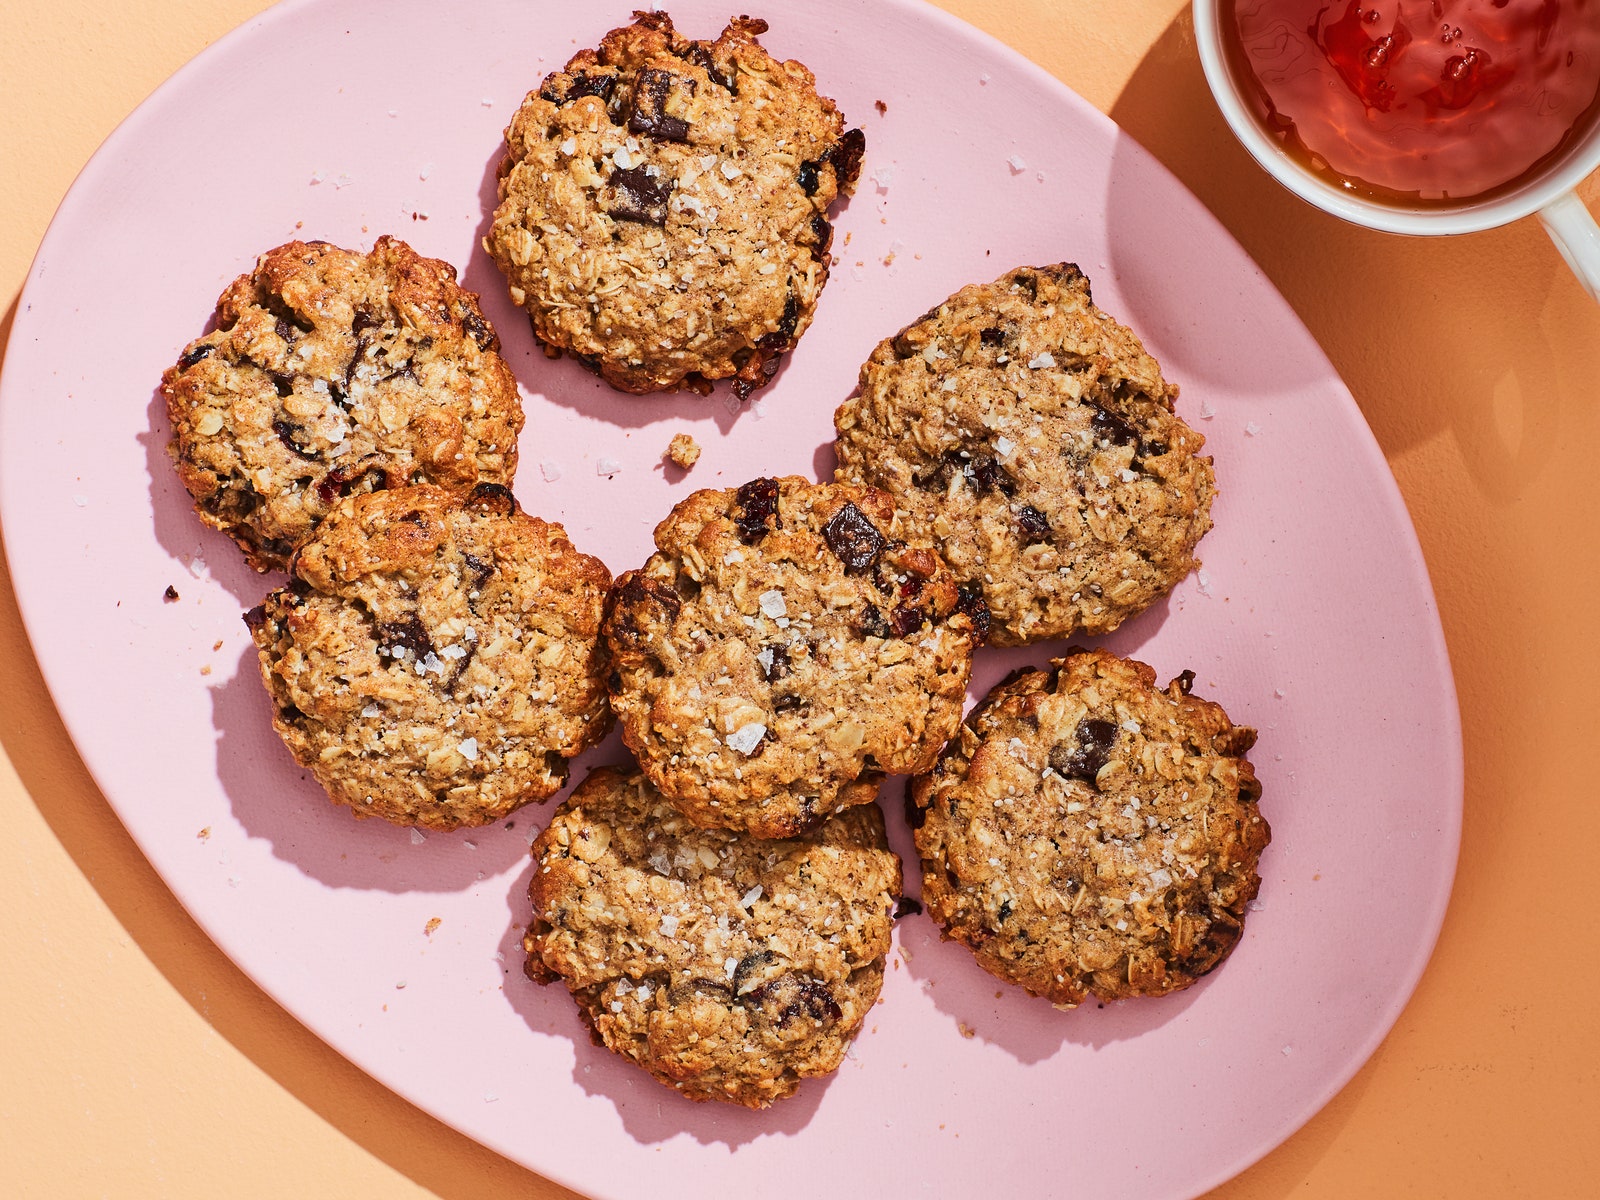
<point x="332" y="372"/>
<point x="729" y="968"/>
<point x="1089" y="833"/>
<point x="436" y="659"/>
<point x="1032" y="439"/>
<point x="663" y="206"/>
<point x="783" y="650"/>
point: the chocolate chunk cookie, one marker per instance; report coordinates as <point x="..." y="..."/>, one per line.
<point x="728" y="968"/>
<point x="663" y="206"/>
<point x="436" y="659"/>
<point x="783" y="650"/>
<point x="1032" y="439"/>
<point x="332" y="372"/>
<point x="1090" y="834"/>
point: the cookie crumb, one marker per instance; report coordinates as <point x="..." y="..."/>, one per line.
<point x="433" y="923"/>
<point x="683" y="451"/>
<point x="205" y="834"/>
<point x="967" y="1031"/>
<point x="880" y="106"/>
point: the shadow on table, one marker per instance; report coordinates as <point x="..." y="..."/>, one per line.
<point x="1336" y="275"/>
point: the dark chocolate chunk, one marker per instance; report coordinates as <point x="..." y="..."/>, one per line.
<point x="400" y="638"/>
<point x="628" y="606"/>
<point x="363" y="321"/>
<point x="758" y="505"/>
<point x="906" y="906"/>
<point x="990" y="476"/>
<point x="1185" y="681"/>
<point x="1095" y="739"/>
<point x="808" y="177"/>
<point x="649" y="116"/>
<point x="778" y="667"/>
<point x="1005" y="911"/>
<point x="701" y="57"/>
<point x="281" y="383"/>
<point x="873" y="624"/>
<point x="639" y="197"/>
<point x="287" y="434"/>
<point x="578" y="85"/>
<point x="991" y="336"/>
<point x="170" y="595"/>
<point x="1113" y="428"/>
<point x="854" y="539"/>
<point x="283" y="329"/>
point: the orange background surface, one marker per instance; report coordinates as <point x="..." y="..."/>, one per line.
<point x="137" y="1061"/>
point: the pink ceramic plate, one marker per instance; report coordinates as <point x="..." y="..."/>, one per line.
<point x="1313" y="618"/>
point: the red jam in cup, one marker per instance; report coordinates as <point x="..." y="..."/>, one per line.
<point x="1418" y="102"/>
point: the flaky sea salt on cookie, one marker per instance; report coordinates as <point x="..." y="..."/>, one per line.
<point x="436" y="659"/>
<point x="783" y="650"/>
<point x="1031" y="438"/>
<point x="332" y="372"/>
<point x="1091" y="834"/>
<point x="729" y="968"/>
<point x="663" y="206"/>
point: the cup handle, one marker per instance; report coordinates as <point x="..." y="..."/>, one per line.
<point x="1573" y="230"/>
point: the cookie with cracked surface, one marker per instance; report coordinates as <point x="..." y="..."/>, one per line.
<point x="663" y="206"/>
<point x="1091" y="834"/>
<point x="783" y="650"/>
<point x="436" y="659"/>
<point x="332" y="372"/>
<point x="1032" y="439"/>
<point x="727" y="967"/>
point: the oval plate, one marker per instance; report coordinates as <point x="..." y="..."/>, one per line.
<point x="1313" y="618"/>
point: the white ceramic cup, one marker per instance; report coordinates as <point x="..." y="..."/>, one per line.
<point x="1549" y="191"/>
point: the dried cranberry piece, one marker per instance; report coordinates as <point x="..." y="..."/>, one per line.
<point x="194" y="354"/>
<point x="906" y="620"/>
<point x="808" y="177"/>
<point x="1095" y="739"/>
<point x="629" y="603"/>
<point x="256" y="619"/>
<point x="1034" y="524"/>
<point x="478" y="330"/>
<point x="854" y="539"/>
<point x="343" y="480"/>
<point x="969" y="600"/>
<point x="758" y="503"/>
<point x="649" y="116"/>
<point x="846" y="157"/>
<point x="638" y="197"/>
<point x="281" y="383"/>
<point x="492" y="498"/>
<point x="821" y="234"/>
